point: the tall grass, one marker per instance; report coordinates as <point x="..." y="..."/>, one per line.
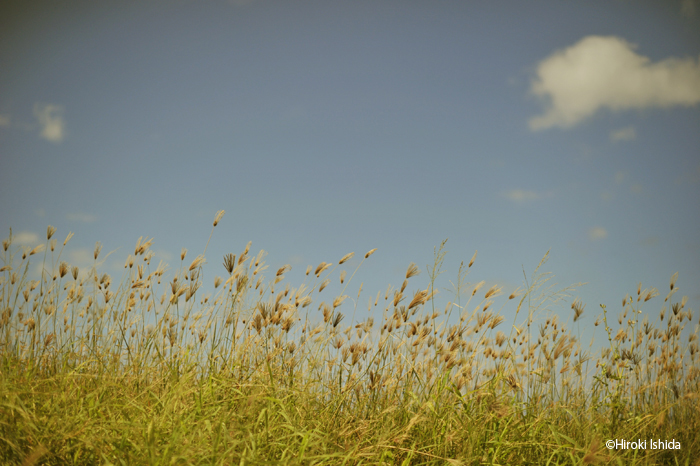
<point x="152" y="371"/>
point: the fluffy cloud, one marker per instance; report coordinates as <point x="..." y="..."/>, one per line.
<point x="25" y="238"/>
<point x="605" y="73"/>
<point x="521" y="195"/>
<point x="50" y="118"/>
<point x="597" y="233"/>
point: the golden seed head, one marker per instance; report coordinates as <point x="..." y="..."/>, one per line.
<point x="338" y="301"/>
<point x="198" y="261"/>
<point x="63" y="269"/>
<point x="36" y="249"/>
<point x="183" y="253"/>
<point x="492" y="291"/>
<point x="98" y="248"/>
<point x="345" y="258"/>
<point x="471" y="262"/>
<point x="50" y="231"/>
<point x="219" y="214"/>
<point x="673" y="280"/>
<point x="321" y="267"/>
<point x="370" y="252"/>
<point x="412" y="271"/>
<point x="70" y="235"/>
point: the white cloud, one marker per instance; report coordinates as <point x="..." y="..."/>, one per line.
<point x="623" y="134"/>
<point x="81" y="217"/>
<point x="25" y="238"/>
<point x="521" y="195"/>
<point x="4" y="120"/>
<point x="605" y="73"/>
<point x="597" y="233"/>
<point x="51" y="120"/>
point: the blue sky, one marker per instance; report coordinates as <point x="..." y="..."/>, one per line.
<point x="511" y="128"/>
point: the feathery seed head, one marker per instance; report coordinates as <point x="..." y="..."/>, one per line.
<point x="196" y="262"/>
<point x="321" y="267"/>
<point x="674" y="277"/>
<point x="98" y="248"/>
<point x="230" y="263"/>
<point x="345" y="258"/>
<point x="370" y="252"/>
<point x="50" y="231"/>
<point x="63" y="269"/>
<point x="412" y="271"/>
<point x="218" y="217"/>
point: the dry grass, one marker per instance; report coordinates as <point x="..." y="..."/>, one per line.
<point x="151" y="371"/>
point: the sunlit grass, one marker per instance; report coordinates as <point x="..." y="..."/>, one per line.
<point x="152" y="371"/>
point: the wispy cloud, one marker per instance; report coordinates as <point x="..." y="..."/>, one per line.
<point x="605" y="72"/>
<point x="597" y="233"/>
<point x="25" y="238"/>
<point x="623" y="134"/>
<point x="81" y="217"/>
<point x="521" y="195"/>
<point x="50" y="117"/>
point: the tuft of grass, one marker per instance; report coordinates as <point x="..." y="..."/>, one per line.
<point x="151" y="370"/>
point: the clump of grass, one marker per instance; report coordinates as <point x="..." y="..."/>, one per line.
<point x="151" y="370"/>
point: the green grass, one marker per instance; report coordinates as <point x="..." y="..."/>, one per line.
<point x="151" y="371"/>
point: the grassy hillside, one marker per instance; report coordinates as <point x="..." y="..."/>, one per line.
<point x="149" y="370"/>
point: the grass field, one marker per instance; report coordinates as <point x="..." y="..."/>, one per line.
<point x="150" y="370"/>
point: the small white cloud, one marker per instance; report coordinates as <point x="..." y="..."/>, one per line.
<point x="81" y="257"/>
<point x="51" y="120"/>
<point x="597" y="233"/>
<point x="165" y="256"/>
<point x="4" y="120"/>
<point x="623" y="134"/>
<point x="25" y="238"/>
<point x="81" y="217"/>
<point x="605" y="72"/>
<point x="521" y="195"/>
